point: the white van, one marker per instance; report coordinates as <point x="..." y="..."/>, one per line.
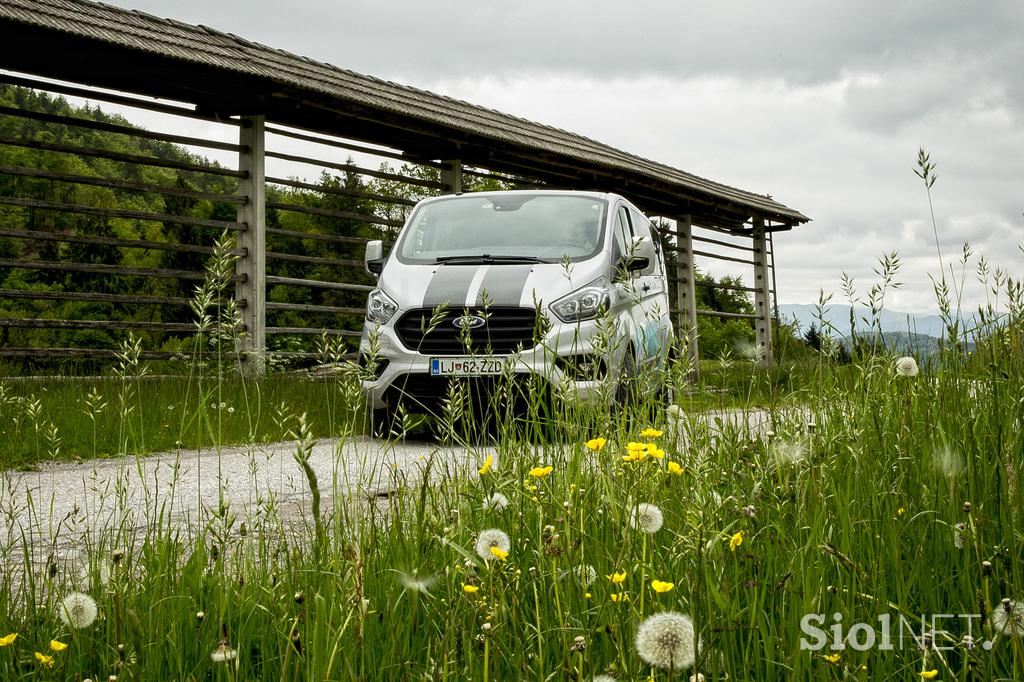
<point x="567" y="286"/>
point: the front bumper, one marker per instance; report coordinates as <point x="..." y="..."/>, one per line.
<point x="565" y="361"/>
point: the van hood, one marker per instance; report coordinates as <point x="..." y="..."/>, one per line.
<point x="428" y="286"/>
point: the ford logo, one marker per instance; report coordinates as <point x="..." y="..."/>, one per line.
<point x="469" y="322"/>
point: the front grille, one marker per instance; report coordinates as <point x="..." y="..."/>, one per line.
<point x="505" y="330"/>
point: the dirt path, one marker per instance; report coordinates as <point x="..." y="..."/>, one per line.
<point x="63" y="507"/>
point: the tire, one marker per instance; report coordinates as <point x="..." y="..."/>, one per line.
<point x="628" y="390"/>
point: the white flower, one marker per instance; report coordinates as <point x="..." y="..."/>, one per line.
<point x="906" y="367"/>
<point x="78" y="610"/>
<point x="1008" y="618"/>
<point x="492" y="537"/>
<point x="497" y="502"/>
<point x="646" y="518"/>
<point x="666" y="640"/>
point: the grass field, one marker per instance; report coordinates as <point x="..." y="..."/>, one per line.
<point x="890" y="499"/>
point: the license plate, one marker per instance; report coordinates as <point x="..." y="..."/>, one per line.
<point x="466" y="366"/>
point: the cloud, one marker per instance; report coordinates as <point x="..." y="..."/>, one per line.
<point x="822" y="105"/>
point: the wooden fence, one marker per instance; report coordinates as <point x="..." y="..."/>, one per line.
<point x="89" y="223"/>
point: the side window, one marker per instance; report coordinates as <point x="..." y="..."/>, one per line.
<point x="622" y="237"/>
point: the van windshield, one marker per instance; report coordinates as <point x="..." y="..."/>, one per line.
<point x="513" y="227"/>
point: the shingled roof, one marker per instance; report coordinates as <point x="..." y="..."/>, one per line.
<point x="128" y="50"/>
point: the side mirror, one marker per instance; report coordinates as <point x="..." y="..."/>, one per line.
<point x="374" y="257"/>
<point x="642" y="255"/>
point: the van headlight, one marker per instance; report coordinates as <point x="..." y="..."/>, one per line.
<point x="379" y="307"/>
<point x="584" y="304"/>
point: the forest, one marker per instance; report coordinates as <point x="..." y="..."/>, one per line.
<point x="165" y="262"/>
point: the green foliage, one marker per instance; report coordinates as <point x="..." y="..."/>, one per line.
<point x="865" y="494"/>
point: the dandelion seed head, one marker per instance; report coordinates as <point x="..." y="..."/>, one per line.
<point x="1008" y="618"/>
<point x="906" y="367"/>
<point x="78" y="610"/>
<point x="586" y="574"/>
<point x="416" y="583"/>
<point x="646" y="518"/>
<point x="788" y="452"/>
<point x="958" y="535"/>
<point x="666" y="640"/>
<point x="947" y="462"/>
<point x="224" y="653"/>
<point x="496" y="502"/>
<point x="492" y="537"/>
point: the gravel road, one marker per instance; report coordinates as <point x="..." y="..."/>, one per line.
<point x="59" y="508"/>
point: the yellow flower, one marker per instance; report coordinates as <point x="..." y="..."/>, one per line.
<point x="617" y="578"/>
<point x="661" y="587"/>
<point x="619" y="597"/>
<point x="654" y="451"/>
<point x="499" y="553"/>
<point x="929" y="674"/>
<point x="9" y="639"/>
<point x="634" y="446"/>
<point x="586" y="595"/>
<point x="485" y="469"/>
<point x="651" y="433"/>
<point x="736" y="540"/>
<point x="57" y="646"/>
<point x="44" y="659"/>
<point x="832" y="658"/>
<point x="470" y="589"/>
<point x="675" y="468"/>
<point x="541" y="472"/>
<point x="595" y="444"/>
<point x="634" y="457"/>
<point x="899" y="512"/>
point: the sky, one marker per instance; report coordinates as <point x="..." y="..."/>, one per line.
<point x="823" y="105"/>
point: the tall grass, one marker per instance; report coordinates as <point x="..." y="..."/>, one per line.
<point x="872" y="496"/>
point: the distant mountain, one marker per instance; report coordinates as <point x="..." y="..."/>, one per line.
<point x="839" y="316"/>
<point x="900" y="343"/>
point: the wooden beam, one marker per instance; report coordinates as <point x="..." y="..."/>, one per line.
<point x="686" y="294"/>
<point x="762" y="307"/>
<point x="252" y="267"/>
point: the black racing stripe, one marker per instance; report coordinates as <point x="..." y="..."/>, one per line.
<point x="450" y="284"/>
<point x="504" y="284"/>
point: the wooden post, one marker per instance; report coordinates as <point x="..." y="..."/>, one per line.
<point x="451" y="175"/>
<point x="252" y="264"/>
<point x="762" y="304"/>
<point x="686" y="293"/>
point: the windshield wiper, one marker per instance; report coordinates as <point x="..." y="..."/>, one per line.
<point x="487" y="258"/>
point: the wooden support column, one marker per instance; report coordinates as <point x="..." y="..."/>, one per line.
<point x="451" y="175"/>
<point x="686" y="294"/>
<point x="762" y="285"/>
<point x="252" y="264"/>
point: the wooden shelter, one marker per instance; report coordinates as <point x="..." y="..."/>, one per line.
<point x="142" y="61"/>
